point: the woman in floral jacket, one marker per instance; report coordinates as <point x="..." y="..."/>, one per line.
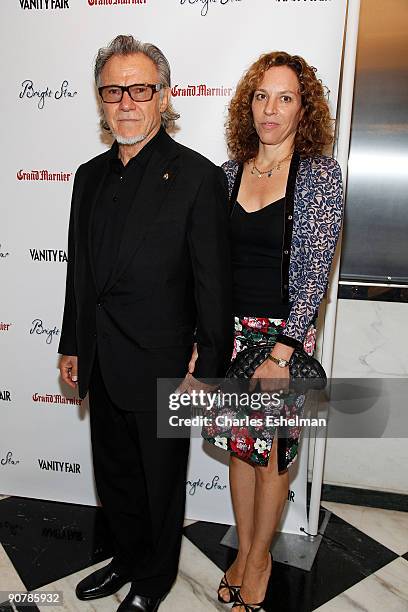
<point x="286" y="211"/>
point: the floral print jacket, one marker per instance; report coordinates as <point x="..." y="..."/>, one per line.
<point x="317" y="216"/>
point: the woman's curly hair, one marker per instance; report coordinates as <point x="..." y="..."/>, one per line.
<point x="315" y="129"/>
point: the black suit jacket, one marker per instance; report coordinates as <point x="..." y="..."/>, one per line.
<point x="171" y="278"/>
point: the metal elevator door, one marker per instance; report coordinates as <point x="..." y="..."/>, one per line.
<point x="375" y="238"/>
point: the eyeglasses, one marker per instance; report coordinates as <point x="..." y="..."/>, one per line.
<point x="139" y="92"/>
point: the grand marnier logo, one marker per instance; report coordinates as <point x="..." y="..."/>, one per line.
<point x="43" y="175"/>
<point x="201" y="91"/>
<point x="44" y="5"/>
<point x="115" y="2"/>
<point x="56" y="398"/>
<point x="5" y="326"/>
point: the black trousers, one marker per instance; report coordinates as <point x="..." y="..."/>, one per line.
<point x="141" y="485"/>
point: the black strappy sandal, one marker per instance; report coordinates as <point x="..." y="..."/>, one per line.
<point x="233" y="590"/>
<point x="248" y="607"/>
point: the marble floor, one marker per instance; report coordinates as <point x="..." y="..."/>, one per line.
<point x="361" y="565"/>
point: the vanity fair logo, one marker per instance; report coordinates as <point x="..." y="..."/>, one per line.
<point x="3" y="254"/>
<point x="30" y="91"/>
<point x="43" y="175"/>
<point x="44" y="5"/>
<point x="8" y="459"/>
<point x="205" y="4"/>
<point x="37" y="328"/>
<point x="5" y="395"/>
<point x="56" y="398"/>
<point x="115" y="2"/>
<point x="50" y="255"/>
<point x="200" y="91"/>
<point x="59" y="466"/>
<point x="206" y="485"/>
<point x="5" y="326"/>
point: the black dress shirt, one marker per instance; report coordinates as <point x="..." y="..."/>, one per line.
<point x="117" y="195"/>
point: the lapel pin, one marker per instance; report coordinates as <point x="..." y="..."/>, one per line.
<point x="166" y="176"/>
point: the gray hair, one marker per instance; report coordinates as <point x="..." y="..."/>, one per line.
<point x="127" y="45"/>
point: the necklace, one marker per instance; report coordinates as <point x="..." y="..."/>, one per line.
<point x="269" y="172"/>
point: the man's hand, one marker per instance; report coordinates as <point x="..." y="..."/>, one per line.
<point x="190" y="383"/>
<point x="68" y="368"/>
<point x="194" y="357"/>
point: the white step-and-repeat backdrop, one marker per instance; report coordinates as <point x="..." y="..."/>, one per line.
<point x="50" y="125"/>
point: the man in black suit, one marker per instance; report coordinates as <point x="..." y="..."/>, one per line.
<point x="148" y="271"/>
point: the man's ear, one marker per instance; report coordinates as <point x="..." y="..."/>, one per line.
<point x="164" y="99"/>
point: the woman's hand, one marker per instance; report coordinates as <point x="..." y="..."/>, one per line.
<point x="270" y="376"/>
<point x="193" y="359"/>
<point x="273" y="377"/>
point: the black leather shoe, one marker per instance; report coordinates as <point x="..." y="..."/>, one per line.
<point x="138" y="603"/>
<point x="103" y="582"/>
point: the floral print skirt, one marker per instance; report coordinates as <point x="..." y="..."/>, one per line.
<point x="248" y="443"/>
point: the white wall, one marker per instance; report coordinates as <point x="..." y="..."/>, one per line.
<point x="371" y="342"/>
